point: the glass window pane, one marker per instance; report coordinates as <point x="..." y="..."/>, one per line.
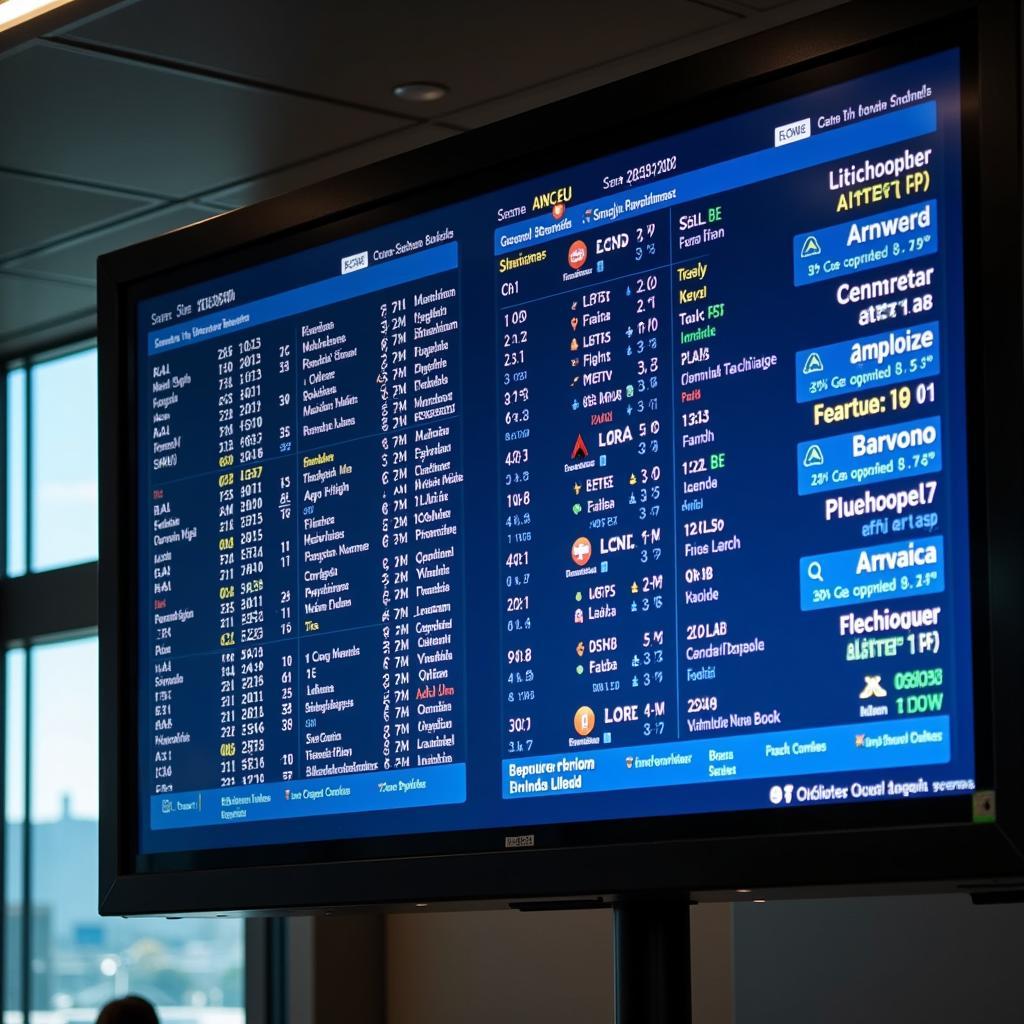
<point x="64" y="461"/>
<point x="191" y="969"/>
<point x="17" y="381"/>
<point x="14" y="808"/>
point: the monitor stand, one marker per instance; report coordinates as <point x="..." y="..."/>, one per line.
<point x="652" y="960"/>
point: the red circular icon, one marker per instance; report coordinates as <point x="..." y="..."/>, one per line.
<point x="558" y="211"/>
<point x="581" y="550"/>
<point x="577" y="254"/>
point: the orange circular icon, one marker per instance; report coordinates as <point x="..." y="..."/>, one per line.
<point x="584" y="721"/>
<point x="577" y="254"/>
<point x="558" y="211"/>
<point x="581" y="550"/>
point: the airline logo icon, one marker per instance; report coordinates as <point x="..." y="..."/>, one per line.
<point x="579" y="449"/>
<point x="582" y="549"/>
<point x="584" y="721"/>
<point x="577" y="254"/>
<point x="814" y="456"/>
<point x="811" y="247"/>
<point x="813" y="364"/>
<point x="558" y="211"/>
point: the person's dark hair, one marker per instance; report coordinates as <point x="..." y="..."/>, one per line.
<point x="130" y="1010"/>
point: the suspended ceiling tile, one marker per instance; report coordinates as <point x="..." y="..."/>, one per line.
<point x="35" y="211"/>
<point x="75" y="262"/>
<point x="26" y="303"/>
<point x="358" y="52"/>
<point x="122" y="124"/>
<point x="668" y="49"/>
<point x="326" y="167"/>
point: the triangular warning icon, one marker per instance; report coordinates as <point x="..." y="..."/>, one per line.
<point x="813" y="456"/>
<point x="813" y="363"/>
<point x="579" y="449"/>
<point x="810" y="247"/>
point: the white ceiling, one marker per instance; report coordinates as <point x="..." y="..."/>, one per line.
<point x="152" y="114"/>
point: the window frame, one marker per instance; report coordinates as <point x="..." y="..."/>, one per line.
<point x="59" y="604"/>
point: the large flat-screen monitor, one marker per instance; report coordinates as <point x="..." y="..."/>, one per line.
<point x="628" y="491"/>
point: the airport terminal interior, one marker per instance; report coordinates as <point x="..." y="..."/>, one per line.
<point x="512" y="530"/>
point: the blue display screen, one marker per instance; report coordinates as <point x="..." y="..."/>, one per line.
<point x="631" y="490"/>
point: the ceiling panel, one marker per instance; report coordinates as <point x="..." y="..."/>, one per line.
<point x="25" y="303"/>
<point x="358" y="51"/>
<point x="89" y="118"/>
<point x="326" y="167"/>
<point x="36" y="211"/>
<point x="75" y="262"/>
<point x="667" y="50"/>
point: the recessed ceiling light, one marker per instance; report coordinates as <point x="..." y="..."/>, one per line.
<point x="743" y="890"/>
<point x="422" y="904"/>
<point x="760" y="901"/>
<point x="14" y="12"/>
<point x="418" y="92"/>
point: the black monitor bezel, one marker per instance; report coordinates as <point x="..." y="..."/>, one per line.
<point x="921" y="841"/>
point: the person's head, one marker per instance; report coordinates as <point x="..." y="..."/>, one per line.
<point x="130" y="1010"/>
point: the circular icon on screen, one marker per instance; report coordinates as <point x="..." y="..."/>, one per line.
<point x="582" y="549"/>
<point x="577" y="254"/>
<point x="584" y="721"/>
<point x="775" y="794"/>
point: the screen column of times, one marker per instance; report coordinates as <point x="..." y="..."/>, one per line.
<point x="305" y="494"/>
<point x="723" y="411"/>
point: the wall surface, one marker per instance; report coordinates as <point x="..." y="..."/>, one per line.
<point x="501" y="967"/>
<point x="505" y="967"/>
<point x="933" y="959"/>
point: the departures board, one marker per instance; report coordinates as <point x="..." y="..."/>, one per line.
<point x="633" y="489"/>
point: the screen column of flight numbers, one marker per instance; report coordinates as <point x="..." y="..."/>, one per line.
<point x="305" y="546"/>
<point x="698" y="470"/>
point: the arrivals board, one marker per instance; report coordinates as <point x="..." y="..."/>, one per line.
<point x="632" y="489"/>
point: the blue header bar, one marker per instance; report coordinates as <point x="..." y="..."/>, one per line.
<point x="308" y="297"/>
<point x="907" y="123"/>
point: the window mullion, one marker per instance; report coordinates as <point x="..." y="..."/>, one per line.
<point x="26" y="828"/>
<point x="29" y="474"/>
<point x="26" y="852"/>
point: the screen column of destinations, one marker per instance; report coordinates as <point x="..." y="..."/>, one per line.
<point x="741" y="474"/>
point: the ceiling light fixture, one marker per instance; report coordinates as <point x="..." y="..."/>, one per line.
<point x="418" y="92"/>
<point x="14" y="12"/>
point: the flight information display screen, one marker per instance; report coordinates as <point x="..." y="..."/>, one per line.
<point x="634" y="489"/>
